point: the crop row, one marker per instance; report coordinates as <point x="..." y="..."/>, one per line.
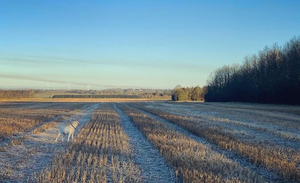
<point x="192" y="161"/>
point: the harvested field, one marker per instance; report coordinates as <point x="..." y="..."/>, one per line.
<point x="246" y="135"/>
<point x="150" y="142"/>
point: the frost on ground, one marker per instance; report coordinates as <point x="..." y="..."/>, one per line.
<point x="263" y="126"/>
<point x="215" y="150"/>
<point x="153" y="166"/>
<point x="31" y="153"/>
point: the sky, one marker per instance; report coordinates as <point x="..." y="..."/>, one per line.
<point x="134" y="44"/>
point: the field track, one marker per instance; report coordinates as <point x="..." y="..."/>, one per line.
<point x="153" y="166"/>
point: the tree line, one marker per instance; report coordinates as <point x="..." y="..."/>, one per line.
<point x="271" y="76"/>
<point x="8" y="94"/>
<point x="192" y="93"/>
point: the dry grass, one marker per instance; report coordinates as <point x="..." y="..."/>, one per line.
<point x="100" y="153"/>
<point x="2" y="149"/>
<point x="17" y="141"/>
<point x="19" y="120"/>
<point x="283" y="161"/>
<point x="44" y="127"/>
<point x="6" y="173"/>
<point x="191" y="160"/>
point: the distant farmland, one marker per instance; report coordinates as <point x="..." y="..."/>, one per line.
<point x="96" y="96"/>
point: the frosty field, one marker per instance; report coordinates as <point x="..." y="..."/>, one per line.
<point x="150" y="142"/>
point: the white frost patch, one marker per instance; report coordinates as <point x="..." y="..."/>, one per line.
<point x="19" y="162"/>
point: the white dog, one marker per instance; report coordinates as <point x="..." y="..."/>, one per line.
<point x="67" y="130"/>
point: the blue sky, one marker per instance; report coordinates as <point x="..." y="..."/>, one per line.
<point x="140" y="44"/>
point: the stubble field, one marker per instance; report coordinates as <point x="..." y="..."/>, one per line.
<point x="150" y="142"/>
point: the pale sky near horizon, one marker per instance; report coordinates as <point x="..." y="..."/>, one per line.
<point x="134" y="44"/>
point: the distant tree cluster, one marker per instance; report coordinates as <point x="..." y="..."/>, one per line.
<point x="271" y="76"/>
<point x="160" y="94"/>
<point x="9" y="94"/>
<point x="96" y="96"/>
<point x="184" y="94"/>
<point x="156" y="95"/>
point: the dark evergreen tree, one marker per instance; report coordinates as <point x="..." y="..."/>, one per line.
<point x="271" y="76"/>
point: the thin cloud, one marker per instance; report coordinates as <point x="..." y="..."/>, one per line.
<point x="37" y="60"/>
<point x="59" y="60"/>
<point x="33" y="78"/>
